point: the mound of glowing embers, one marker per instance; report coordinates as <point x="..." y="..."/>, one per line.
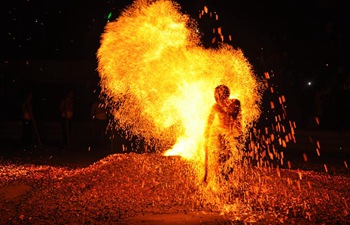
<point x="123" y="185"/>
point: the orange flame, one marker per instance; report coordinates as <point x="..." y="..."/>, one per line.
<point x="160" y="81"/>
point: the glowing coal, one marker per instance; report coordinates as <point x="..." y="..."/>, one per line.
<point x="121" y="186"/>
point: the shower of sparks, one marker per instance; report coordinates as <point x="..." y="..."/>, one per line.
<point x="160" y="81"/>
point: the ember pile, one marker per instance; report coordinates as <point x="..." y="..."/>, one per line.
<point x="121" y="186"/>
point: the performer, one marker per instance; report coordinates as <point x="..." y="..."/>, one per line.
<point x="226" y="130"/>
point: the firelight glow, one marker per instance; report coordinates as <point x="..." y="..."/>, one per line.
<point x="159" y="80"/>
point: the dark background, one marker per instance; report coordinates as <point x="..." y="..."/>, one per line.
<point x="49" y="47"/>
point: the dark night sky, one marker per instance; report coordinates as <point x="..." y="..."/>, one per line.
<point x="301" y="41"/>
<point x="37" y="29"/>
<point x="70" y="29"/>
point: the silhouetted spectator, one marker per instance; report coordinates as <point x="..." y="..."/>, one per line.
<point x="100" y="122"/>
<point x="322" y="97"/>
<point x="27" y="120"/>
<point x="67" y="109"/>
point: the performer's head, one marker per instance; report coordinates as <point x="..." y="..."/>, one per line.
<point x="222" y="92"/>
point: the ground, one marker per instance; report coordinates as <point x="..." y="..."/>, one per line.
<point x="96" y="186"/>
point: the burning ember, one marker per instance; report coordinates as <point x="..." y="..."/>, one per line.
<point x="121" y="186"/>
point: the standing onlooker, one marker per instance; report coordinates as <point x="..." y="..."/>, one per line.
<point x="27" y="120"/>
<point x="321" y="105"/>
<point x="100" y="122"/>
<point x="66" y="109"/>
